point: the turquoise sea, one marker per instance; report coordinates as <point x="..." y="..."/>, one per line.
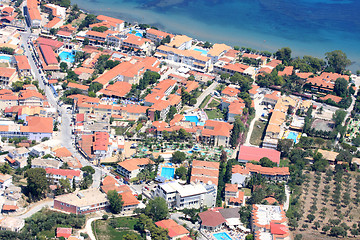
<point x="308" y="27"/>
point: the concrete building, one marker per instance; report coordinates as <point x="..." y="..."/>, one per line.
<point x="131" y="167"/>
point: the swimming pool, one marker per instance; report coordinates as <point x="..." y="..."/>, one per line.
<point x="193" y="119"/>
<point x="136" y="32"/>
<point x="167" y="172"/>
<point x="203" y="52"/>
<point x="4" y="57"/>
<point x="222" y="236"/>
<point x="293" y="136"/>
<point x="67" y="56"/>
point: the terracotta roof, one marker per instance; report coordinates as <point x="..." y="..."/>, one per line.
<point x="247" y="153"/>
<point x="129" y="199"/>
<point x="332" y="97"/>
<point x="52" y="23"/>
<point x="236" y="67"/>
<point x="7" y="207"/>
<point x="217" y="49"/>
<point x="38" y="125"/>
<point x="49" y="42"/>
<point x="62" y="152"/>
<point x="239" y="199"/>
<point x="274" y="63"/>
<point x="231" y="92"/>
<point x="63" y="232"/>
<point x="304" y="75"/>
<point x="109" y="19"/>
<point x="267" y="170"/>
<point x="7" y="72"/>
<point x="173" y="228"/>
<point x="134" y="163"/>
<point x="211" y="218"/>
<point x="216" y="128"/>
<point x="22" y="62"/>
<point x="231" y="187"/>
<point x="49" y="55"/>
<point x="287" y="71"/>
<point x="270" y="200"/>
<point x="159" y="34"/>
<point x="118" y="89"/>
<point x="178" y="40"/>
<point x="78" y="86"/>
<point x="206" y="164"/>
<point x="254" y="89"/>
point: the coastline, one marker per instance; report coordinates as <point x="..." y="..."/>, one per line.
<point x="179" y="23"/>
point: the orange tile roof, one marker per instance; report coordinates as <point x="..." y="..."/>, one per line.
<point x="236" y="107"/>
<point x="62" y="152"/>
<point x="332" y="97"/>
<point x="239" y="199"/>
<point x="118" y="89"/>
<point x="133" y="163"/>
<point x="52" y="23"/>
<point x="217" y="49"/>
<point x="109" y="19"/>
<point x="22" y="62"/>
<point x="304" y="75"/>
<point x="216" y="128"/>
<point x="129" y="199"/>
<point x="178" y="40"/>
<point x="236" y="67"/>
<point x="287" y="71"/>
<point x="7" y="207"/>
<point x="274" y="63"/>
<point x="7" y="72"/>
<point x="173" y="228"/>
<point x="25" y="94"/>
<point x="254" y="89"/>
<point x="38" y="125"/>
<point x="80" y="70"/>
<point x="159" y="34"/>
<point x="231" y="187"/>
<point x="231" y="92"/>
<point x="267" y="170"/>
<point x="77" y="86"/>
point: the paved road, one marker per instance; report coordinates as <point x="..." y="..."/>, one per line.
<point x="36" y="208"/>
<point x="205" y="93"/>
<point x="258" y="113"/>
<point x="66" y="130"/>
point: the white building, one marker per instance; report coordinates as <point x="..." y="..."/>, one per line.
<point x="5" y="181"/>
<point x="194" y="195"/>
<point x="130" y="168"/>
<point x="11" y="224"/>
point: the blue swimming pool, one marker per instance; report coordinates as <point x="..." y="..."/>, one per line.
<point x="168" y="172"/>
<point x="293" y="136"/>
<point x="222" y="236"/>
<point x="135" y="32"/>
<point x="203" y="52"/>
<point x="3" y="57"/>
<point x="193" y="119"/>
<point x="67" y="56"/>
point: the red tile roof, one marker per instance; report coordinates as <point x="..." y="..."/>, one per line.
<point x="22" y="62"/>
<point x="211" y="218"/>
<point x="63" y="232"/>
<point x="7" y="72"/>
<point x="231" y="92"/>
<point x="49" y="42"/>
<point x="216" y="128"/>
<point x="62" y="152"/>
<point x="173" y="228"/>
<point x="49" y="55"/>
<point x="118" y="89"/>
<point x="247" y="153"/>
<point x="109" y="19"/>
<point x="38" y="125"/>
<point x="287" y="71"/>
<point x="332" y="97"/>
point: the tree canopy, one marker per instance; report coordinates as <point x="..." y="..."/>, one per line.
<point x="178" y="157"/>
<point x="337" y="61"/>
<point x="115" y="201"/>
<point x="157" y="209"/>
<point x="37" y="183"/>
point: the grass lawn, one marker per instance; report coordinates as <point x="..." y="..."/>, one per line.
<point x="4" y="64"/>
<point x="247" y="191"/>
<point x="213" y="103"/>
<point x="205" y="101"/>
<point x="284" y="162"/>
<point x="103" y="231"/>
<point x="257" y="133"/>
<point x="212" y="114"/>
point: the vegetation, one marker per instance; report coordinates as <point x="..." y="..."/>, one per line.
<point x="37" y="184"/>
<point x="115" y="201"/>
<point x="157" y="209"/>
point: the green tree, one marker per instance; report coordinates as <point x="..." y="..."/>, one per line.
<point x="284" y="54"/>
<point x="171" y="113"/>
<point x="86" y="42"/>
<point x="5" y="168"/>
<point x="157" y="209"/>
<point x="344" y="156"/>
<point x="266" y="162"/>
<point x="181" y="172"/>
<point x="37" y="183"/>
<point x="249" y="237"/>
<point x="337" y="61"/>
<point x="325" y="228"/>
<point x="341" y="87"/>
<point x="95" y="87"/>
<point x="236" y="131"/>
<point x="130" y="236"/>
<point x="178" y="157"/>
<point x="115" y="201"/>
<point x="310" y="217"/>
<point x="284" y="146"/>
<point x="339" y="117"/>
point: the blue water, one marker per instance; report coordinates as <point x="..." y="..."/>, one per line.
<point x="222" y="236"/>
<point x="293" y="136"/>
<point x="167" y="172"/>
<point x="193" y="119"/>
<point x="137" y="33"/>
<point x="4" y="57"/>
<point x="203" y="52"/>
<point x="67" y="56"/>
<point x="169" y="164"/>
<point x="308" y="27"/>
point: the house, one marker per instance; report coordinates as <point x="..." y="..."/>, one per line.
<point x="269" y="222"/>
<point x="63" y="232"/>
<point x="328" y="155"/>
<point x="135" y="42"/>
<point x="231" y="216"/>
<point x="45" y="163"/>
<point x="117" y="90"/>
<point x="181" y="42"/>
<point x="287" y="71"/>
<point x="5" y="181"/>
<point x="206" y="172"/>
<point x="54" y="175"/>
<point x="7" y="99"/>
<point x="7" y="76"/>
<point x="235" y="109"/>
<point x="32" y="14"/>
<point x="271" y="99"/>
<point x="130" y="201"/>
<point x="175" y="230"/>
<point x="157" y="35"/>
<point x="116" y="24"/>
<point x="211" y="220"/>
<point x="13" y="224"/>
<point x="22" y="65"/>
<point x="217" y="51"/>
<point x="247" y="153"/>
<point x="194" y="195"/>
<point x="216" y="133"/>
<point x="81" y="202"/>
<point x="191" y="58"/>
<point x="18" y="157"/>
<point x="96" y="145"/>
<point x="31" y="98"/>
<point x="134" y="112"/>
<point x="230" y="92"/>
<point x="254" y="91"/>
<point x="131" y="167"/>
<point x="84" y="89"/>
<point x="239" y="176"/>
<point x="232" y="68"/>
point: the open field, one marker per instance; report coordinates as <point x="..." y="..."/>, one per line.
<point x="104" y="230"/>
<point x="257" y="133"/>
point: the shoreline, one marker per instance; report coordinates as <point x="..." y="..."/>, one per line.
<point x="218" y="33"/>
